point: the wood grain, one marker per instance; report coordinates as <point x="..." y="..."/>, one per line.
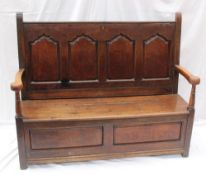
<point x="120" y="60"/>
<point x="45" y="62"/>
<point x="156" y="57"/>
<point x="102" y="108"/>
<point x="83" y="63"/>
<point x="66" y="137"/>
<point x="146" y="133"/>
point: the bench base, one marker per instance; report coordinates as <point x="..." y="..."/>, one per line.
<point x="68" y="141"/>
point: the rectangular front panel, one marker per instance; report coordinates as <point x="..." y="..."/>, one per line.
<point x="66" y="137"/>
<point x="147" y="133"/>
<point x="83" y="138"/>
<point x="114" y="59"/>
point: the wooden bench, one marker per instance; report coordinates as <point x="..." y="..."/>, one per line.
<point x="99" y="90"/>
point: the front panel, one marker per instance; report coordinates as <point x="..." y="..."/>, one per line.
<point x="47" y="140"/>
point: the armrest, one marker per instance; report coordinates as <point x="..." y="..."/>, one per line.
<point x="192" y="79"/>
<point x="17" y="85"/>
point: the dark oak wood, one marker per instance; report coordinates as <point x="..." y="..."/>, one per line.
<point x="83" y="64"/>
<point x="155" y="62"/>
<point x="99" y="90"/>
<point x="21" y="143"/>
<point x="146" y="133"/>
<point x="120" y="60"/>
<point x="102" y="55"/>
<point x="108" y="146"/>
<point x="21" y="40"/>
<point x="45" y="62"/>
<point x="66" y="137"/>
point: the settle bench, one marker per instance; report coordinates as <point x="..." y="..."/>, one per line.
<point x="99" y="90"/>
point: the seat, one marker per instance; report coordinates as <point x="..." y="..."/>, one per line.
<point x="103" y="108"/>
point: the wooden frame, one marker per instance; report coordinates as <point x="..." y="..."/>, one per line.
<point x="134" y="66"/>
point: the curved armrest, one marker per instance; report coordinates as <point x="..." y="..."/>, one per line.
<point x="192" y="79"/>
<point x="17" y="85"/>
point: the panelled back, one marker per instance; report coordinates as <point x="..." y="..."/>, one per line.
<point x="98" y="59"/>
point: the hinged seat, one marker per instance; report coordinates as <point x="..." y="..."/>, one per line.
<point x="103" y="108"/>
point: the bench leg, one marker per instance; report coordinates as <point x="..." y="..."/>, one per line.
<point x="188" y="133"/>
<point x="21" y="143"/>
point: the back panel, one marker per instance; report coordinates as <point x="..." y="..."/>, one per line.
<point x="98" y="59"/>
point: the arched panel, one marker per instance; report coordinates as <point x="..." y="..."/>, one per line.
<point x="44" y="59"/>
<point x="120" y="58"/>
<point x="74" y="60"/>
<point x="83" y="64"/>
<point x="156" y="57"/>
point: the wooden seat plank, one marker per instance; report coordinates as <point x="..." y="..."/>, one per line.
<point x="103" y="108"/>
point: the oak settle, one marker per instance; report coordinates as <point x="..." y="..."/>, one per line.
<point x="99" y="90"/>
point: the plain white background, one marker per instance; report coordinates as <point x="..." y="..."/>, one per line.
<point x="193" y="57"/>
